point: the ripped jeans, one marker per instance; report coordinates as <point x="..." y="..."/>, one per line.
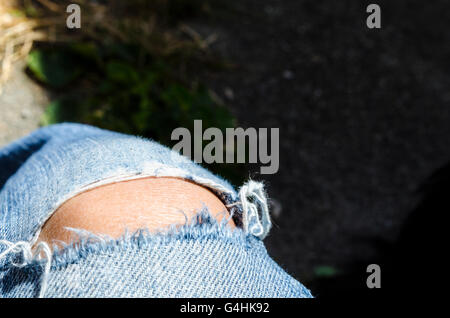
<point x="203" y="258"/>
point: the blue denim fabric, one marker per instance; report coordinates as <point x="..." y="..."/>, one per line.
<point x="201" y="259"/>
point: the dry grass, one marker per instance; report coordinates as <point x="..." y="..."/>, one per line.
<point x="19" y="29"/>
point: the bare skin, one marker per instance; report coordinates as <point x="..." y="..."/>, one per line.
<point x="152" y="203"/>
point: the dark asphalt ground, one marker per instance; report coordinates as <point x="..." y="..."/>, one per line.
<point x="363" y="114"/>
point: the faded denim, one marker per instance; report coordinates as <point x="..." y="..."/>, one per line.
<point x="201" y="259"/>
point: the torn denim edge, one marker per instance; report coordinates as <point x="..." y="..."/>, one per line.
<point x="227" y="196"/>
<point x="202" y="227"/>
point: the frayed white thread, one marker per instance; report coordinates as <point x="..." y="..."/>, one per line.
<point x="29" y="256"/>
<point x="254" y="222"/>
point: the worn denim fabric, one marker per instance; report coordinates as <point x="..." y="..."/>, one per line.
<point x="201" y="259"/>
